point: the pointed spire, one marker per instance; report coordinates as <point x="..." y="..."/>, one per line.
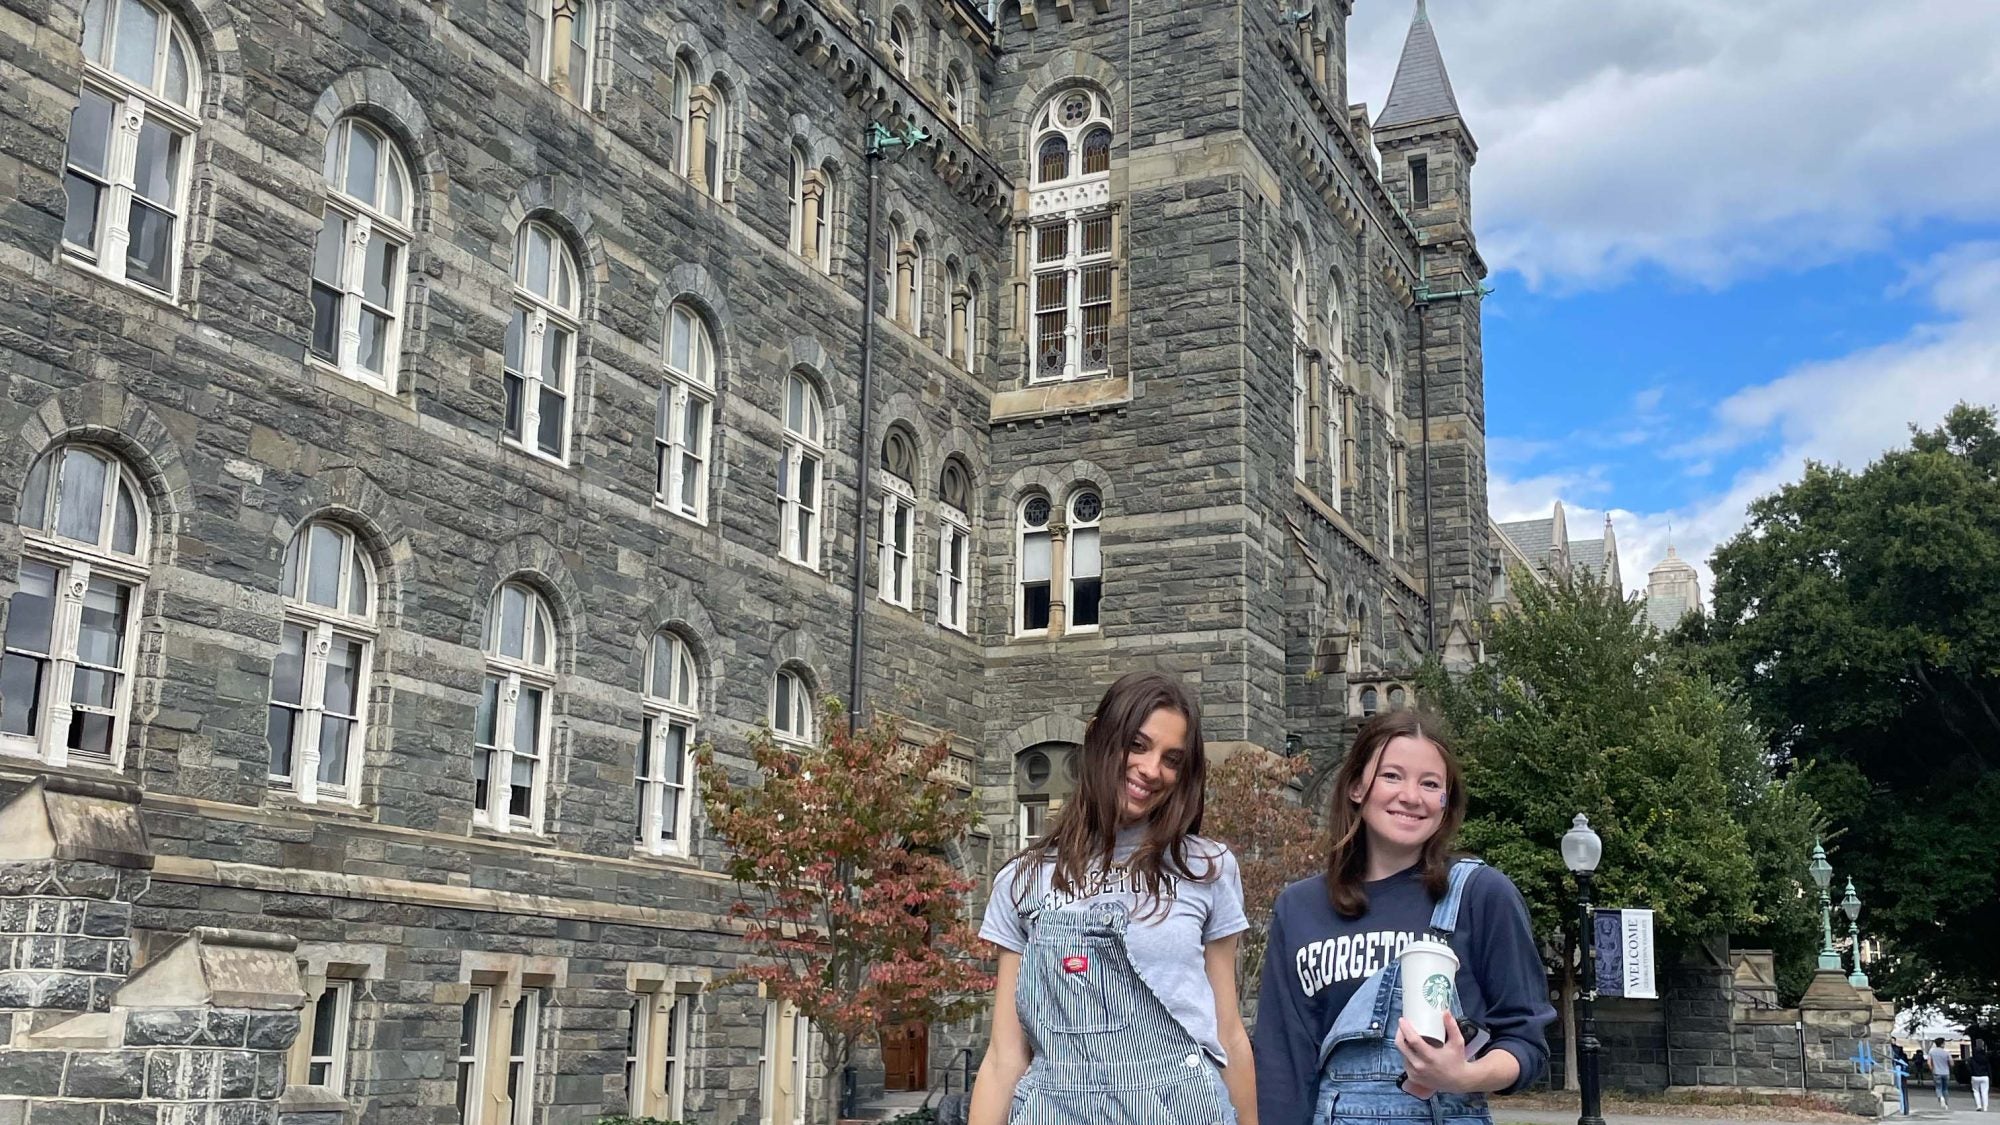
<point x="1422" y="89"/>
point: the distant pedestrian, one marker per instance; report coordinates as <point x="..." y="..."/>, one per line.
<point x="1941" y="1070"/>
<point x="1981" y="1066"/>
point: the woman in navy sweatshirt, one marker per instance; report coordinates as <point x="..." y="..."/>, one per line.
<point x="1330" y="1043"/>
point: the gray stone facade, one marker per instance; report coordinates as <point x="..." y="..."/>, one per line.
<point x="1280" y="596"/>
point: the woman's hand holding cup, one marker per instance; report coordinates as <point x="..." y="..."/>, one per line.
<point x="1429" y="1069"/>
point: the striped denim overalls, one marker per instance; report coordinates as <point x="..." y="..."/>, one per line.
<point x="1106" y="1050"/>
<point x="1359" y="1063"/>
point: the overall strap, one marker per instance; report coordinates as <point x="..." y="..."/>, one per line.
<point x="1444" y="920"/>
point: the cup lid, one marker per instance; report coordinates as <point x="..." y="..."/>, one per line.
<point x="1428" y="945"/>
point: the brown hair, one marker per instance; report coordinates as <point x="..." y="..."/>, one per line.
<point x="1347" y="842"/>
<point x="1085" y="833"/>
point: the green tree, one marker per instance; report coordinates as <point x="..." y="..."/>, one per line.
<point x="849" y="899"/>
<point x="1862" y="612"/>
<point x="1581" y="708"/>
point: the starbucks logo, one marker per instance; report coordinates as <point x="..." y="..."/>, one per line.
<point x="1437" y="991"/>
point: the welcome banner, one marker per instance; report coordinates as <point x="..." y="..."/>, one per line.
<point x="1624" y="940"/>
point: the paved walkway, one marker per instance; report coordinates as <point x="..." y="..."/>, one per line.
<point x="1961" y="1114"/>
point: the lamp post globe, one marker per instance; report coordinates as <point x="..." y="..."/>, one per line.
<point x="1850" y="905"/>
<point x="1581" y="849"/>
<point x="1822" y="876"/>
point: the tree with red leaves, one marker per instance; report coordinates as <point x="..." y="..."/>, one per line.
<point x="855" y="913"/>
<point x="1251" y="808"/>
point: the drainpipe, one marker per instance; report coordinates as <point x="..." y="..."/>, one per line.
<point x="877" y="145"/>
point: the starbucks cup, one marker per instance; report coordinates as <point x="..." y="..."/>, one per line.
<point x="1428" y="968"/>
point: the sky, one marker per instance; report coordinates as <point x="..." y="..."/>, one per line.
<point x="1726" y="237"/>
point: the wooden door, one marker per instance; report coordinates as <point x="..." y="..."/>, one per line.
<point x="906" y="1054"/>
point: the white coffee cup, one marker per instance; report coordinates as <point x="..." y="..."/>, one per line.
<point x="1429" y="971"/>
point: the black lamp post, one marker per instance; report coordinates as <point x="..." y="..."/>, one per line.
<point x="1581" y="849"/>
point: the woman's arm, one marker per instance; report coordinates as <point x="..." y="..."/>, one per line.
<point x="1219" y="957"/>
<point x="1006" y="1054"/>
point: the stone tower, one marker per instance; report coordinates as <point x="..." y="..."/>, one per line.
<point x="1673" y="590"/>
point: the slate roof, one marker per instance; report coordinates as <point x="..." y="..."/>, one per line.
<point x="1422" y="89"/>
<point x="1534" y="537"/>
<point x="1587" y="554"/>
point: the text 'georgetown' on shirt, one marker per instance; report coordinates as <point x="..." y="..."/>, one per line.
<point x="1348" y="957"/>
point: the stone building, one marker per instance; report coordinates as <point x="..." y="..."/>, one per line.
<point x="427" y="420"/>
<point x="1673" y="590"/>
<point x="1544" y="549"/>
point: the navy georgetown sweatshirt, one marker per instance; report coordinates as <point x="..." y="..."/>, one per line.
<point x="1317" y="960"/>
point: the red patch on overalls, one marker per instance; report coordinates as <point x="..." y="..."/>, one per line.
<point x="1076" y="963"/>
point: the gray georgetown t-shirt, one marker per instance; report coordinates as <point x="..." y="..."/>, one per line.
<point x="1165" y="948"/>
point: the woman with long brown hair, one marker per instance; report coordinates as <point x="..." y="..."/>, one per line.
<point x="1116" y="996"/>
<point x="1331" y="1044"/>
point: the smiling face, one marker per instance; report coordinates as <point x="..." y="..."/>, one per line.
<point x="1404" y="803"/>
<point x="1152" y="765"/>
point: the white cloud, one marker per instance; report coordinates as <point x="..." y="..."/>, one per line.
<point x="1711" y="138"/>
<point x="1847" y="410"/>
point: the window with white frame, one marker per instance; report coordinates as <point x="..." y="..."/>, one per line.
<point x="913" y="296"/>
<point x="799" y="240"/>
<point x="131" y="136"/>
<point x="1336" y="396"/>
<point x="822" y="195"/>
<point x="671" y="707"/>
<point x="1086" y="561"/>
<point x="511" y="741"/>
<point x="358" y="263"/>
<point x="684" y="117"/>
<point x="1070" y="240"/>
<point x="954" y="544"/>
<point x="896" y="580"/>
<point x="783" y="1068"/>
<point x="900" y="44"/>
<point x="1301" y="366"/>
<point x="328" y="1019"/>
<point x="955" y="105"/>
<point x="474" y="1017"/>
<point x="686" y="413"/>
<point x="1035" y="817"/>
<point x="801" y="471"/>
<point x="791" y="706"/>
<point x="656" y="1054"/>
<point x="717" y="143"/>
<point x="319" y="680"/>
<point x="522" y="1040"/>
<point x="560" y="35"/>
<point x="541" y="342"/>
<point x="968" y="357"/>
<point x="895" y="252"/>
<point x="1035" y="570"/>
<point x="73" y="623"/>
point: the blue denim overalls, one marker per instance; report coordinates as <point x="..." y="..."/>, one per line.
<point x="1359" y="1064"/>
<point x="1106" y="1050"/>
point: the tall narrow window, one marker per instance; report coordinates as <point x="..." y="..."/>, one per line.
<point x="899" y="44"/>
<point x="73" y="625"/>
<point x="1336" y="396"/>
<point x="954" y="544"/>
<point x="671" y="708"/>
<point x="635" y="1058"/>
<point x="1071" y="256"/>
<point x="1420" y="182"/>
<point x="717" y="139"/>
<point x="684" y="117"/>
<point x="130" y="138"/>
<point x="956" y="107"/>
<point x="896" y="581"/>
<point x="511" y="744"/>
<point x="820" y="230"/>
<point x="319" y="681"/>
<point x="800" y="472"/>
<point x="672" y="1057"/>
<point x="541" y="342"/>
<point x="791" y="706"/>
<point x="1036" y="566"/>
<point x="782" y="1070"/>
<point x="1301" y="366"/>
<point x="560" y="34"/>
<point x="473" y="1016"/>
<point x="913" y="282"/>
<point x="799" y="241"/>
<point x="969" y="355"/>
<point x="894" y="262"/>
<point x="358" y="270"/>
<point x="522" y="1040"/>
<point x="1086" y="560"/>
<point x="687" y="406"/>
<point x="326" y="1050"/>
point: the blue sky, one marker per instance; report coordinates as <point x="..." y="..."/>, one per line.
<point x="1725" y="237"/>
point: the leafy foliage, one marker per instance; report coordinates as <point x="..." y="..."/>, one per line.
<point x="1862" y="612"/>
<point x="1250" y="808"/>
<point x="847" y="890"/>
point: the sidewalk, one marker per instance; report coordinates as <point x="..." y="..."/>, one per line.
<point x="1961" y="1114"/>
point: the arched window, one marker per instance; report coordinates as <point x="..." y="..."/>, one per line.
<point x="541" y="342"/>
<point x="896" y="581"/>
<point x="664" y="769"/>
<point x="1392" y="467"/>
<point x="913" y="283"/>
<point x="800" y="471"/>
<point x="73" y="623"/>
<point x="898" y="257"/>
<point x="1336" y="395"/>
<point x="686" y="413"/>
<point x="358" y="263"/>
<point x="956" y="106"/>
<point x="954" y="543"/>
<point x="1371" y="701"/>
<point x="1070" y="244"/>
<point x="800" y="239"/>
<point x="511" y="732"/>
<point x="319" y="681"/>
<point x="901" y="44"/>
<point x="821" y="212"/>
<point x="1035" y="566"/>
<point x="792" y="706"/>
<point x="1301" y="304"/>
<point x="560" y="35"/>
<point x="684" y="117"/>
<point x="1086" y="560"/>
<point x="716" y="137"/>
<point x="130" y="139"/>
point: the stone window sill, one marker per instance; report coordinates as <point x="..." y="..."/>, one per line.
<point x="1048" y="400"/>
